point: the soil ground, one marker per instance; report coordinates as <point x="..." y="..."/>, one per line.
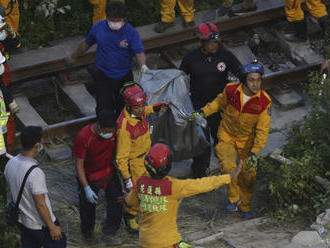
<point x="195" y="214"/>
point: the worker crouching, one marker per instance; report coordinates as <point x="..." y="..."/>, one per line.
<point x="157" y="195"/>
<point x="133" y="141"/>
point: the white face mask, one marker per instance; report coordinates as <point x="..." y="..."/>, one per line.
<point x="3" y="35"/>
<point x="116" y="25"/>
<point x="2" y="69"/>
<point x="106" y="135"/>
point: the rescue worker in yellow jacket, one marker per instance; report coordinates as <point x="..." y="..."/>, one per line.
<point x="12" y="13"/>
<point x="242" y="133"/>
<point x="99" y="7"/>
<point x="158" y="197"/>
<point x="295" y="15"/>
<point x="133" y="141"/>
<point x="168" y="14"/>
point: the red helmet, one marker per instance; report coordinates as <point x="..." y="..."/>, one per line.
<point x="208" y="31"/>
<point x="134" y="95"/>
<point x="158" y="161"/>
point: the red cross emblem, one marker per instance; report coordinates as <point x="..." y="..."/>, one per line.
<point x="221" y="66"/>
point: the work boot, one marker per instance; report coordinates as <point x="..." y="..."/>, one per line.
<point x="189" y="24"/>
<point x="161" y="27"/>
<point x="323" y="22"/>
<point x="243" y="10"/>
<point x="222" y="11"/>
<point x="301" y="32"/>
<point x="131" y="223"/>
<point x="232" y="206"/>
<point x="245" y="215"/>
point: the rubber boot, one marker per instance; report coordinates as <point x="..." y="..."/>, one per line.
<point x="301" y="32"/>
<point x="323" y="22"/>
<point x="131" y="223"/>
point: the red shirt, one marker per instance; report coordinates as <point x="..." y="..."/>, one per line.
<point x="97" y="154"/>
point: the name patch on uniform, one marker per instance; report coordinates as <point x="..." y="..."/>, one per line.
<point x="221" y="66"/>
<point x="123" y="43"/>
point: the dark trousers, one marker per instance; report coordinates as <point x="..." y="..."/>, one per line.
<point x="202" y="161"/>
<point x="40" y="238"/>
<point x="114" y="209"/>
<point x="107" y="92"/>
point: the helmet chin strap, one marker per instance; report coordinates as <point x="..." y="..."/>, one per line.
<point x="251" y="93"/>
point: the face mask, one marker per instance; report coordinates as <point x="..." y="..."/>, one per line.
<point x="2" y="69"/>
<point x="3" y="35"/>
<point x="106" y="135"/>
<point x="115" y="25"/>
<point x="41" y="147"/>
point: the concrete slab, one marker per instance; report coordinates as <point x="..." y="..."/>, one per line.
<point x="81" y="97"/>
<point x="275" y="140"/>
<point x="287" y="99"/>
<point x="245" y="55"/>
<point x="284" y="119"/>
<point x="300" y="52"/>
<point x="27" y="114"/>
<point x="58" y="152"/>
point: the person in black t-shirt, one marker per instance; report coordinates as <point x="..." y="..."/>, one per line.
<point x="208" y="68"/>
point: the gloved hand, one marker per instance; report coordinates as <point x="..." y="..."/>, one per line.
<point x="183" y="244"/>
<point x="13" y="107"/>
<point x="160" y="106"/>
<point x="198" y="113"/>
<point x="10" y="31"/>
<point x="129" y="184"/>
<point x="252" y="162"/>
<point x="90" y="195"/>
<point x="144" y="68"/>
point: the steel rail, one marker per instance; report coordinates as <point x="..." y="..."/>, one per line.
<point x="158" y="41"/>
<point x="290" y="76"/>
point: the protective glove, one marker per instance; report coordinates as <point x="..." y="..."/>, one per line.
<point x="158" y="106"/>
<point x="183" y="244"/>
<point x="129" y="184"/>
<point x="198" y="113"/>
<point x="144" y="68"/>
<point x="252" y="162"/>
<point x="90" y="195"/>
<point x="10" y="31"/>
<point x="13" y="107"/>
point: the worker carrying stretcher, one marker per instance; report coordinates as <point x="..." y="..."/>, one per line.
<point x="133" y="141"/>
<point x="157" y="195"/>
<point x="242" y="133"/>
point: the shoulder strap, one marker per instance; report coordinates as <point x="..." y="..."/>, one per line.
<point x="22" y="186"/>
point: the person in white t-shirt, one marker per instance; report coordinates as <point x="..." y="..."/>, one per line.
<point x="37" y="222"/>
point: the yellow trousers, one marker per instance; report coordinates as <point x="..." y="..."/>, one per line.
<point x="99" y="9"/>
<point x="294" y="12"/>
<point x="168" y="14"/>
<point x="12" y="13"/>
<point x="137" y="169"/>
<point x="243" y="187"/>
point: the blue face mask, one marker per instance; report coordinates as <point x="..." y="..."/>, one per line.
<point x="41" y="147"/>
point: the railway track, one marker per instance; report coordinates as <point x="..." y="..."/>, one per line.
<point x="44" y="62"/>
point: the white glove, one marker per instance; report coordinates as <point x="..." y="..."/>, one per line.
<point x="10" y="31"/>
<point x="129" y="184"/>
<point x="144" y="68"/>
<point x="13" y="107"/>
<point x="90" y="195"/>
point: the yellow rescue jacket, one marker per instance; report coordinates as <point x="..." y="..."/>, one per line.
<point x="247" y="125"/>
<point x="158" y="200"/>
<point x="133" y="143"/>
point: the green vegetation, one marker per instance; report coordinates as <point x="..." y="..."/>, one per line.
<point x="292" y="188"/>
